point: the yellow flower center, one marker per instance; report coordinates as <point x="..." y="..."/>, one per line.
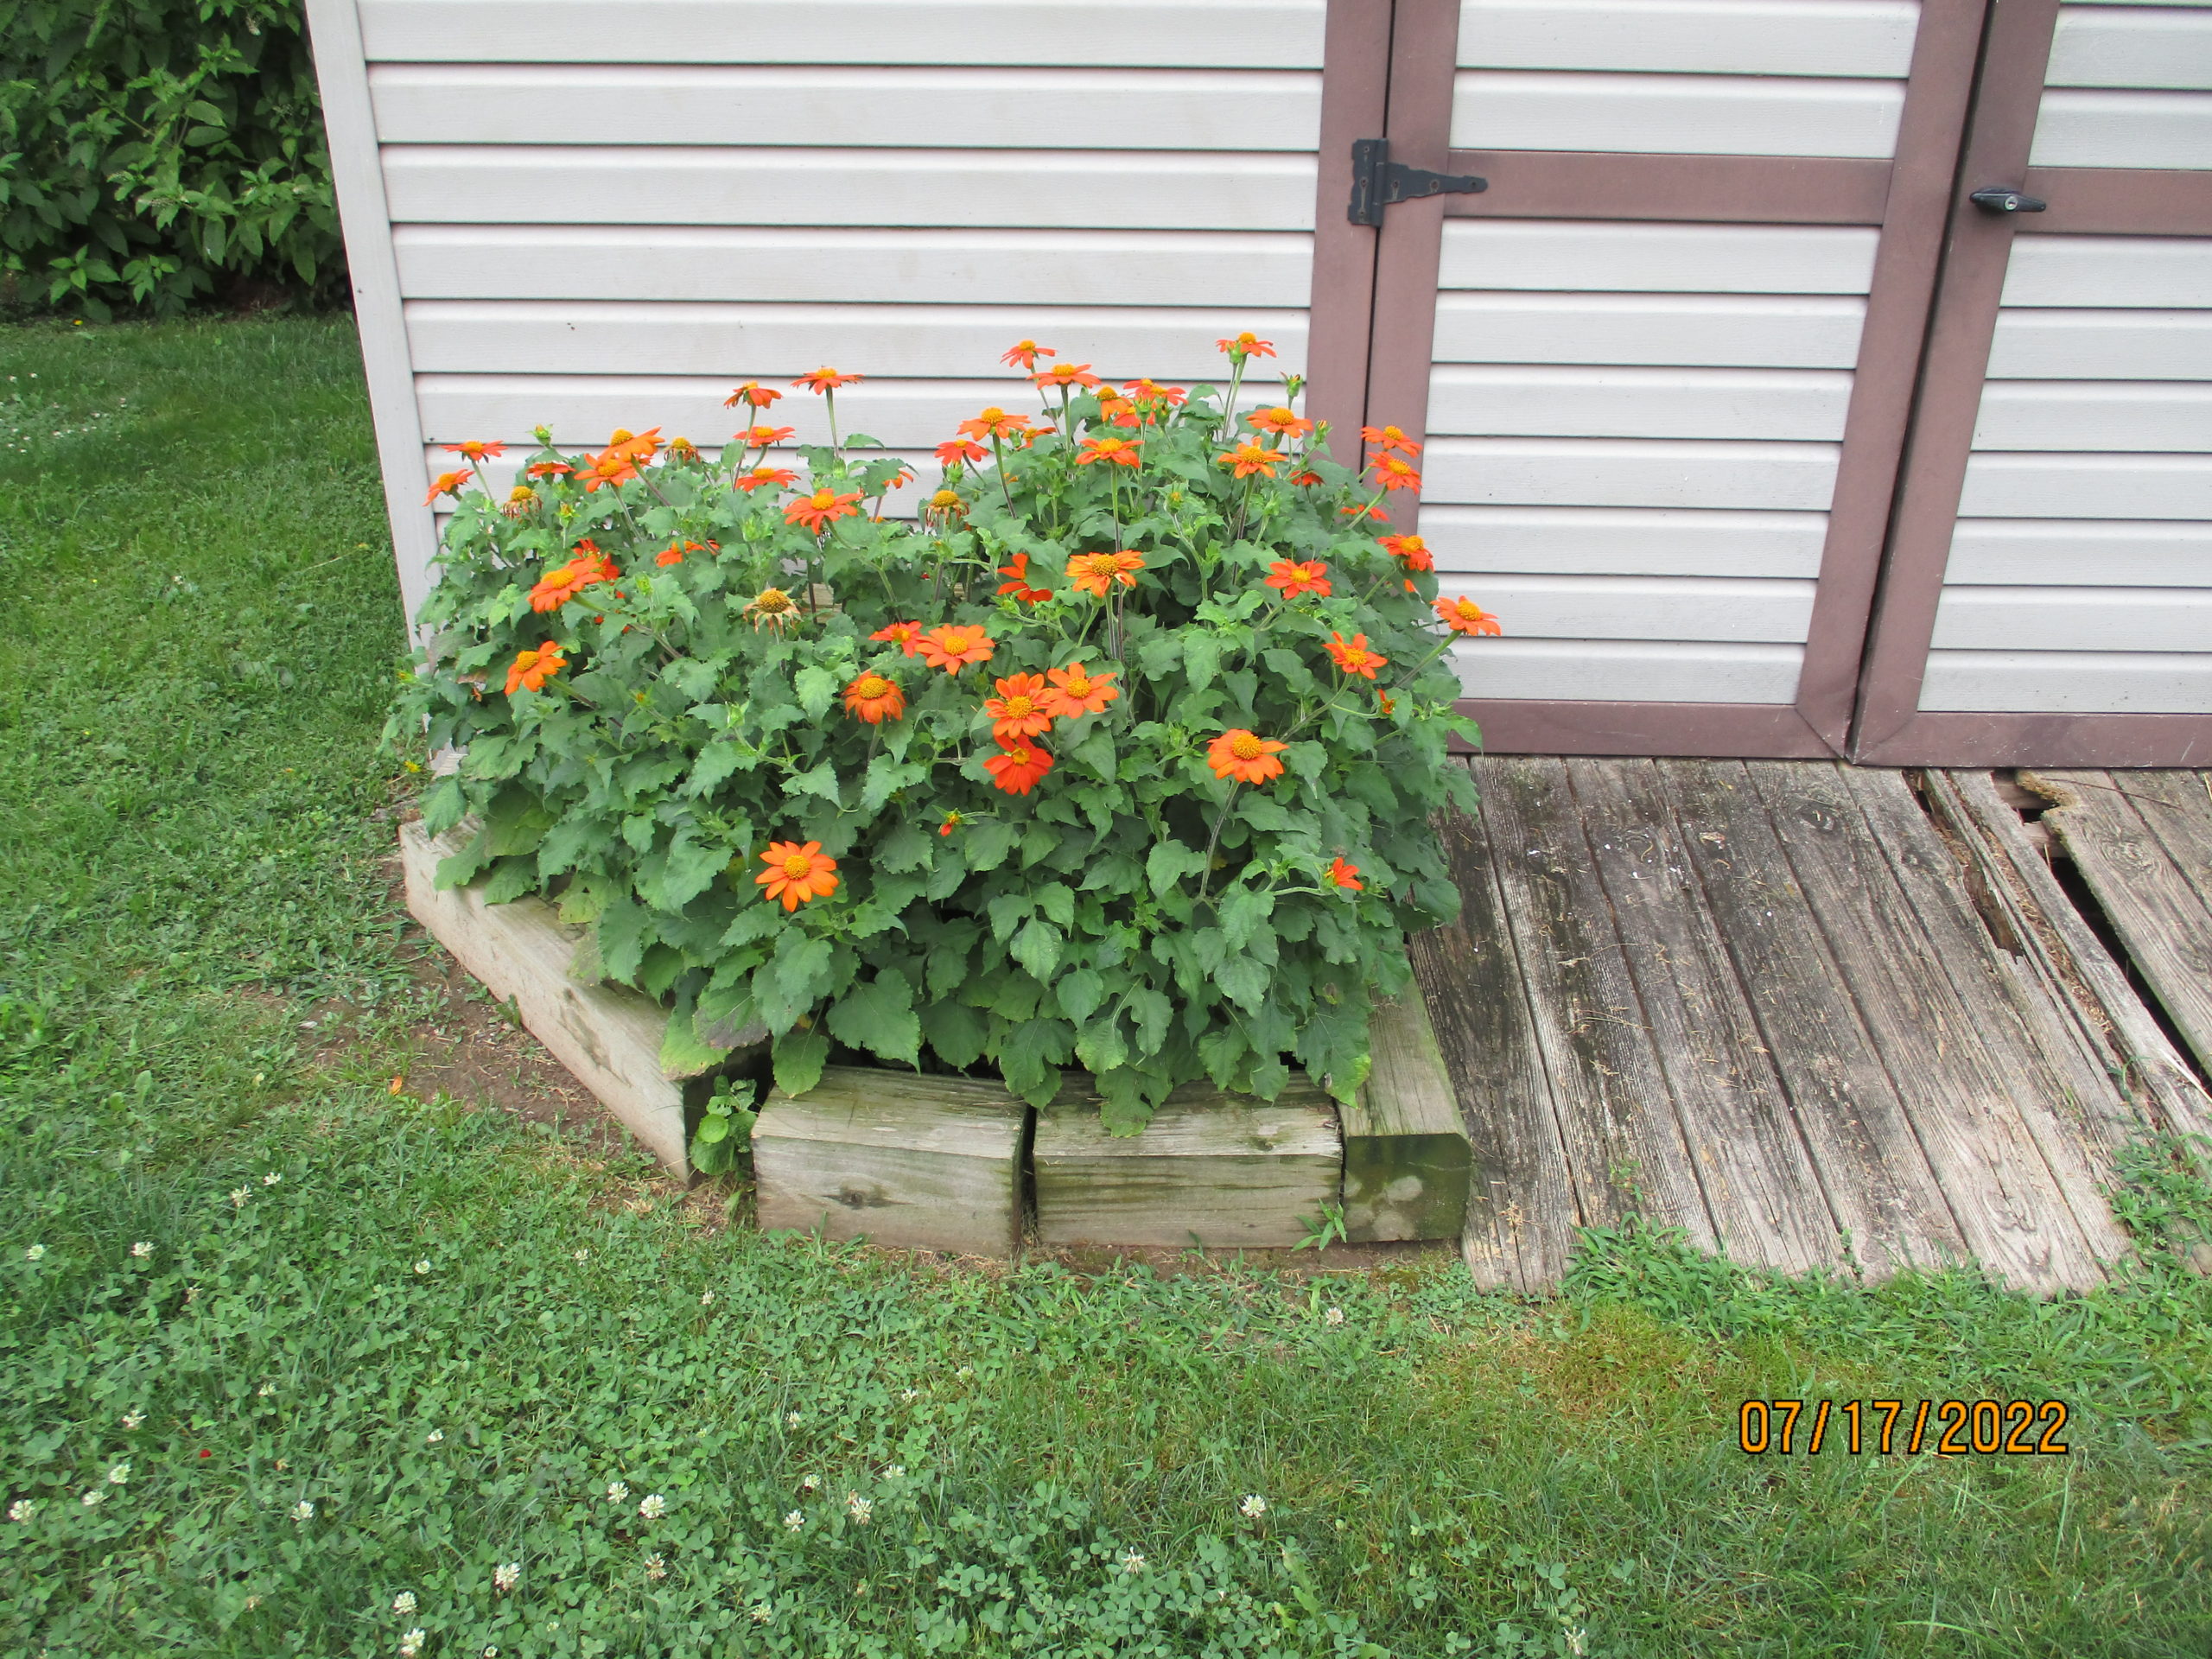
<point x="993" y="415"/>
<point x="798" y="866"/>
<point x="945" y="499"/>
<point x="772" y="600"/>
<point x="1078" y="686"/>
<point x="1019" y="707"/>
<point x="622" y="434"/>
<point x="874" y="686"/>
<point x="1279" y="414"/>
<point x="1104" y="564"/>
<point x="1245" y="747"/>
<point x="824" y="497"/>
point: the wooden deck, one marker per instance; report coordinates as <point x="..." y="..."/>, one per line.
<point x="1793" y="1011"/>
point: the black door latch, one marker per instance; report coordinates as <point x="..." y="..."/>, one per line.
<point x="1996" y="199"/>
<point x="1376" y="182"/>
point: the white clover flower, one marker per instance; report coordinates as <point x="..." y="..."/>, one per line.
<point x="271" y="1178"/>
<point x="861" y="1509"/>
<point x="404" y="1603"/>
<point x="93" y="1497"/>
<point x="653" y="1506"/>
<point x="655" y="1568"/>
<point x="1131" y="1561"/>
<point x="507" y="1576"/>
<point x="434" y="1437"/>
<point x="1252" y="1507"/>
<point x="240" y="1195"/>
<point x="143" y="1249"/>
<point x="119" y="1475"/>
<point x="490" y="1653"/>
<point x="19" y="1511"/>
<point x="583" y="1255"/>
<point x="1334" y="1316"/>
<point x="253" y="1602"/>
<point x="617" y="1492"/>
<point x="965" y="1371"/>
<point x="762" y="1612"/>
<point x="1575" y="1640"/>
<point x="910" y="1394"/>
<point x="706" y="1298"/>
<point x="303" y="1512"/>
<point x="894" y="1471"/>
<point x="812" y="1483"/>
<point x="423" y="1266"/>
<point x="412" y="1644"/>
<point x="35" y="1253"/>
<point x="794" y="1521"/>
<point x="265" y="1390"/>
<point x="132" y="1419"/>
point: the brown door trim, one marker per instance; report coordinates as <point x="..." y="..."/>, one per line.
<point x="2118" y="201"/>
<point x="1355" y="83"/>
<point x="1530" y="725"/>
<point x="1704" y="189"/>
<point x="2049" y="740"/>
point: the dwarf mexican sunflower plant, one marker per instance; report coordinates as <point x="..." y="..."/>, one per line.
<point x="1122" y="755"/>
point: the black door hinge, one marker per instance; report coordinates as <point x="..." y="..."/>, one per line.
<point x="1376" y="182"/>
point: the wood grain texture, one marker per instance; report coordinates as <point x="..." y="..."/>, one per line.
<point x="1521" y="1208"/>
<point x="1705" y="37"/>
<point x="1407" y="1154"/>
<point x="923" y="1162"/>
<point x="1211" y="1169"/>
<point x="2177" y="808"/>
<point x="1748" y="330"/>
<point x="1543" y="400"/>
<point x="1710" y="115"/>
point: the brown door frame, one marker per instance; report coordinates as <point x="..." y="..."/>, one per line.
<point x="1909" y="198"/>
<point x="1891" y="728"/>
<point x="1355" y="84"/>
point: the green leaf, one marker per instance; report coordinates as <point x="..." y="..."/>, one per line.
<point x="717" y="762"/>
<point x="1057" y="900"/>
<point x="1270" y="1079"/>
<point x="444" y="805"/>
<point x="1201" y="657"/>
<point x="1159" y="654"/>
<point x="1037" y="948"/>
<point x="1243" y="982"/>
<point x="886" y="778"/>
<point x="799" y="1057"/>
<point x="1124" y="1105"/>
<point x="624" y="930"/>
<point x="1029" y="1057"/>
<point x="1241" y="913"/>
<point x="1080" y="990"/>
<point x="987" y="845"/>
<point x="671" y="880"/>
<point x="459" y="869"/>
<point x="511" y="879"/>
<point x="820" y="780"/>
<point x="1151" y="1011"/>
<point x="583" y="899"/>
<point x="681" y="1053"/>
<point x="1168" y="862"/>
<point x="956" y="1031"/>
<point x="907" y="847"/>
<point x="817" y="688"/>
<point x="793" y="979"/>
<point x="879" y="1016"/>
<point x="1101" y="1047"/>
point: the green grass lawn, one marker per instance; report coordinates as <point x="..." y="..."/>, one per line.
<point x="336" y="1363"/>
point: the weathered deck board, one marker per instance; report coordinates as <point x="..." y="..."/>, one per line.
<point x="1406" y="1149"/>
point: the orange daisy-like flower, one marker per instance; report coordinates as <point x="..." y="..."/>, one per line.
<point x="961" y="449"/>
<point x="1364" y="509"/>
<point x="547" y="469"/>
<point x="682" y="448"/>
<point x="1389" y="704"/>
<point x="1095" y="573"/>
<point x="955" y="648"/>
<point x="1392" y="473"/>
<point x="781" y="478"/>
<point x="1023" y="355"/>
<point x="947" y="503"/>
<point x="771" y="607"/>
<point x="994" y="422"/>
<point x="824" y="379"/>
<point x="902" y="634"/>
<point x="953" y="821"/>
<point x="530" y="669"/>
<point x="1118" y="452"/>
<point x="1246" y="756"/>
<point x="1016" y="569"/>
<point x="1307" y="576"/>
<point x="899" y="481"/>
<point x="520" y="501"/>
<point x="1250" y="458"/>
<point x="1353" y="657"/>
<point x="674" y="552"/>
<point x="1066" y="374"/>
<point x="760" y="438"/>
<point x="1143" y="393"/>
<point x="1018" y="711"/>
<point x="1076" y="692"/>
<point x="1245" y="345"/>
<point x="448" y="483"/>
<point x="821" y="509"/>
<point x="875" y="699"/>
<point x="563" y="582"/>
<point x="606" y="468"/>
<point x="639" y="447"/>
<point x="797" y="873"/>
<point x="1308" y="477"/>
<point x="752" y="392"/>
<point x="477" y="451"/>
<point x="1017" y="770"/>
<point x="1344" y="875"/>
<point x="1464" y="616"/>
<point x="1411" y="550"/>
<point x="1387" y="438"/>
<point x="1282" y="421"/>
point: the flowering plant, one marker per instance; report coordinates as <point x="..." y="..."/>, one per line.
<point x="1123" y="754"/>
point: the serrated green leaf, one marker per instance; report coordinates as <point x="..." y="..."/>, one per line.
<point x="985" y="845"/>
<point x="907" y="847"/>
<point x="1057" y="900"/>
<point x="954" y="1031"/>
<point x="1007" y="911"/>
<point x="1079" y="991"/>
<point x="681" y="1053"/>
<point x="820" y="780"/>
<point x="1243" y="910"/>
<point x="816" y="689"/>
<point x="799" y="1057"/>
<point x="444" y="805"/>
<point x="1150" y="1011"/>
<point x="1168" y="862"/>
<point x="793" y="979"/>
<point x="511" y="879"/>
<point x="1037" y="948"/>
<point x="1201" y="657"/>
<point x="1243" y="982"/>
<point x="1270" y="1078"/>
<point x="1101" y="1047"/>
<point x="879" y="1015"/>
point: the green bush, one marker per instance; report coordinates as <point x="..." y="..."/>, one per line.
<point x="154" y="152"/>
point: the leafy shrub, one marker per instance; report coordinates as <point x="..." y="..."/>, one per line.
<point x="154" y="150"/>
<point x="664" y="677"/>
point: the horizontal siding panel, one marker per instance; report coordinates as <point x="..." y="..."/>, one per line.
<point x="860" y="107"/>
<point x="1526" y="400"/>
<point x="2087" y="486"/>
<point x="1574" y="255"/>
<point x="2041" y="552"/>
<point x="2168" y="47"/>
<point x="2074" y="619"/>
<point x="1608" y="670"/>
<point x="1623" y="473"/>
<point x="1713" y="115"/>
<point x="1795" y="332"/>
<point x="2038" y="345"/>
<point x="1717" y="37"/>
<point x="960" y="268"/>
<point x="1144" y="34"/>
<point x="779" y="341"/>
<point x="2095" y="415"/>
<point x="2070" y="683"/>
<point x="2100" y="128"/>
<point x="1623" y="541"/>
<point x="2155" y="272"/>
<point x="1025" y="189"/>
<point x="1642" y="607"/>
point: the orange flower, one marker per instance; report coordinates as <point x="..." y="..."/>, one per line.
<point x="1095" y="573"/>
<point x="824" y="380"/>
<point x="1023" y="355"/>
<point x="682" y="448"/>
<point x="639" y="447"/>
<point x="961" y="449"/>
<point x="520" y="499"/>
<point x="1017" y="770"/>
<point x="1245" y="756"/>
<point x="947" y="502"/>
<point x="771" y="607"/>
<point x="1310" y="576"/>
<point x="1017" y="569"/>
<point x="1354" y="658"/>
<point x="1393" y="474"/>
<point x="994" y="422"/>
<point x="530" y="669"/>
<point x="1119" y="452"/>
<point x="1076" y="692"/>
<point x="1246" y="344"/>
<point x="1250" y="458"/>
<point x="903" y="634"/>
<point x="1344" y="875"/>
<point x="953" y="821"/>
<point x="1281" y="422"/>
<point x="562" y="584"/>
<point x="1464" y="616"/>
<point x="954" y="648"/>
<point x="1389" y="703"/>
<point x="477" y="451"/>
<point x="1412" y="550"/>
<point x="899" y="479"/>
<point x="821" y="509"/>
<point x="547" y="469"/>
<point x="796" y="874"/>
<point x="1018" y="711"/>
<point x="1387" y="438"/>
<point x="1066" y="374"/>
<point x="752" y="392"/>
<point x="1151" y="392"/>
<point x="875" y="699"/>
<point x="759" y="437"/>
<point x="1364" y="511"/>
<point x="1308" y="477"/>
<point x="448" y="483"/>
<point x="606" y="468"/>
<point x="674" y="552"/>
<point x="782" y="477"/>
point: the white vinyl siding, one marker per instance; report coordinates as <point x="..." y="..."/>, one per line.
<point x="2128" y="87"/>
